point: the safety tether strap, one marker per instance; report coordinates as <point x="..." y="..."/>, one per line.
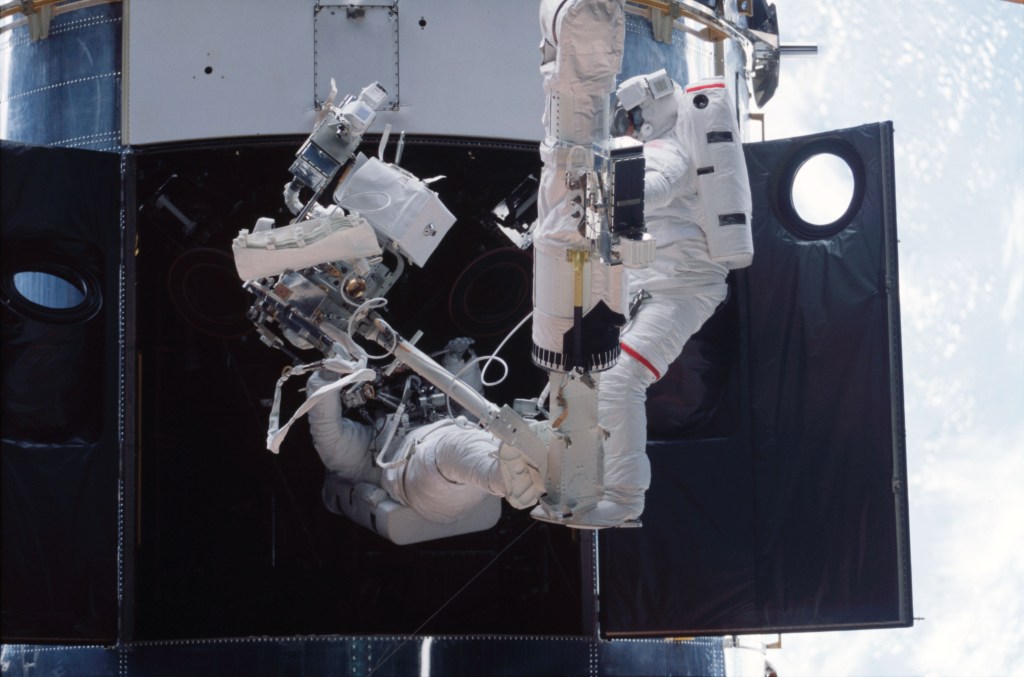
<point x="276" y="434"/>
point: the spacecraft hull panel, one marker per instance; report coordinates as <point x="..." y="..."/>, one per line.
<point x="246" y="73"/>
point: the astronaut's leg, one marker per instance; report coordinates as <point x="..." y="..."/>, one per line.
<point x="685" y="288"/>
<point x="627" y="472"/>
<point x="450" y="469"/>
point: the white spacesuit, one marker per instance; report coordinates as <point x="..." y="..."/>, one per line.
<point x="445" y="469"/>
<point x="684" y="285"/>
<point x="442" y="470"/>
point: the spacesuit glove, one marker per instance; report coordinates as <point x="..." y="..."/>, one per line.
<point x="523" y="484"/>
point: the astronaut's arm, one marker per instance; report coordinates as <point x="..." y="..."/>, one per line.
<point x="342" y="444"/>
<point x="664" y="171"/>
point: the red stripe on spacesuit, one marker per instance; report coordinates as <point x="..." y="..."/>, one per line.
<point x="717" y="85"/>
<point x="641" y="359"/>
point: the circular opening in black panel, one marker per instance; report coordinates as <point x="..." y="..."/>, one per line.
<point x="52" y="292"/>
<point x="48" y="290"/>
<point x="492" y="293"/>
<point x="205" y="289"/>
<point x="822" y="189"/>
<point x="818" y="189"/>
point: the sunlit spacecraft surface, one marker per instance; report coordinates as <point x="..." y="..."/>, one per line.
<point x="146" y="525"/>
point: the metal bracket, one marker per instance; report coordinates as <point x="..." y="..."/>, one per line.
<point x="38" y="17"/>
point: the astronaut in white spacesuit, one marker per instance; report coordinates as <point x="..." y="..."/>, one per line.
<point x="697" y="207"/>
<point x="442" y="470"/>
<point x="448" y="468"/>
<point x="680" y="290"/>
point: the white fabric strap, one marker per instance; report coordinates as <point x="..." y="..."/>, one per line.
<point x="275" y="434"/>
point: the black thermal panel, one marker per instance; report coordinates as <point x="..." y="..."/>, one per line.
<point x="61" y="240"/>
<point x="783" y="506"/>
<point x="234" y="540"/>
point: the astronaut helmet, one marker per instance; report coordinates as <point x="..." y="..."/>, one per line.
<point x="646" y="106"/>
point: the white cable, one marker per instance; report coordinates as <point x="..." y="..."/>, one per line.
<point x="498" y="350"/>
<point x="369" y="304"/>
<point x="490" y="358"/>
<point x="543" y="399"/>
<point x="379" y="460"/>
<point x="396" y="423"/>
<point x="455" y="377"/>
<point x="366" y="306"/>
<point x="394" y="342"/>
